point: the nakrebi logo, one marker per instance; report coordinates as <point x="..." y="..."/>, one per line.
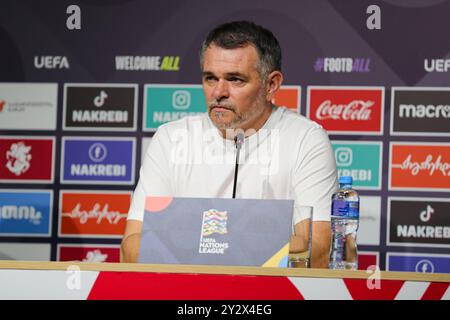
<point x="25" y="212"/>
<point x="148" y="63"/>
<point x="419" y="222"/>
<point x="347" y="110"/>
<point x="420" y="111"/>
<point x="28" y="106"/>
<point x="418" y="262"/>
<point x="419" y="166"/>
<point x="99" y="107"/>
<point x="98" y="160"/>
<point x="93" y="213"/>
<point x="26" y="159"/>
<point x="361" y="160"/>
<point x="88" y="253"/>
<point x="164" y="103"/>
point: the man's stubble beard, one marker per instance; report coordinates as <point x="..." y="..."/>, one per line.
<point x="238" y="120"/>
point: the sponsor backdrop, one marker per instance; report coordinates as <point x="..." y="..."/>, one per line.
<point x="85" y="84"/>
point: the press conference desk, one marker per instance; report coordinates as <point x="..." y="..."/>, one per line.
<point x="65" y="280"/>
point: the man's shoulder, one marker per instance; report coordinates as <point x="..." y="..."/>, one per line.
<point x="294" y="121"/>
<point x="300" y="130"/>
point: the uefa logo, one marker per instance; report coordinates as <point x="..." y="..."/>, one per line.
<point x="181" y="99"/>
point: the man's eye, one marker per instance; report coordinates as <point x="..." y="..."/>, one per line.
<point x="236" y="80"/>
<point x="209" y="78"/>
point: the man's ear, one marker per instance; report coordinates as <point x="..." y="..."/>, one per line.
<point x="274" y="81"/>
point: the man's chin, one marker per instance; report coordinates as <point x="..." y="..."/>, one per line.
<point x="222" y="123"/>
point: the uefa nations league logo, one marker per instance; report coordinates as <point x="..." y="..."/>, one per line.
<point x="214" y="221"/>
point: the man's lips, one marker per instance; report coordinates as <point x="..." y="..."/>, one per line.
<point x="220" y="109"/>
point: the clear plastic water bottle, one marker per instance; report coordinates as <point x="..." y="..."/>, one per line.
<point x="344" y="225"/>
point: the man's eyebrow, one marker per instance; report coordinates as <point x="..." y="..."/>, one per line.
<point x="236" y="74"/>
<point x="229" y="74"/>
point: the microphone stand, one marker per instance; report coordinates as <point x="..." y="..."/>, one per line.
<point x="238" y="139"/>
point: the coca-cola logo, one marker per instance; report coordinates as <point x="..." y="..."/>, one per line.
<point x="355" y="110"/>
<point x="347" y="110"/>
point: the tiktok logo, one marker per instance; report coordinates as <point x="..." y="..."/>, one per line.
<point x="425" y="215"/>
<point x="100" y="99"/>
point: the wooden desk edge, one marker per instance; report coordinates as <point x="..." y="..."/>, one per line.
<point x="223" y="270"/>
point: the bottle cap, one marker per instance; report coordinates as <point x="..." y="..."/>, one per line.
<point x="346" y="180"/>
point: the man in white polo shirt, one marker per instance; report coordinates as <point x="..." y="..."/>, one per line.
<point x="284" y="155"/>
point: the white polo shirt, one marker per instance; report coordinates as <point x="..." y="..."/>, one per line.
<point x="290" y="157"/>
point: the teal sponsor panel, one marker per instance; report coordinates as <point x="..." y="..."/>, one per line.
<point x="361" y="160"/>
<point x="165" y="103"/>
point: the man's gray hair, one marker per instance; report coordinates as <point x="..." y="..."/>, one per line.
<point x="238" y="34"/>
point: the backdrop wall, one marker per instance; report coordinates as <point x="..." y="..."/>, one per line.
<point x="84" y="87"/>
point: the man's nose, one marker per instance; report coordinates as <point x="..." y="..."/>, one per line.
<point x="221" y="90"/>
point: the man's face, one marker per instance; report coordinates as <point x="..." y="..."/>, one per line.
<point x="234" y="92"/>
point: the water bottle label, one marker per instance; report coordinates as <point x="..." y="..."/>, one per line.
<point x="345" y="209"/>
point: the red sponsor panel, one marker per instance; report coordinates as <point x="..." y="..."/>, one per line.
<point x="163" y="286"/>
<point x="435" y="291"/>
<point x="26" y="159"/>
<point x="289" y="97"/>
<point x="89" y="253"/>
<point x="93" y="213"/>
<point x="373" y="289"/>
<point x="347" y="110"/>
<point x="420" y="166"/>
<point x="365" y="260"/>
